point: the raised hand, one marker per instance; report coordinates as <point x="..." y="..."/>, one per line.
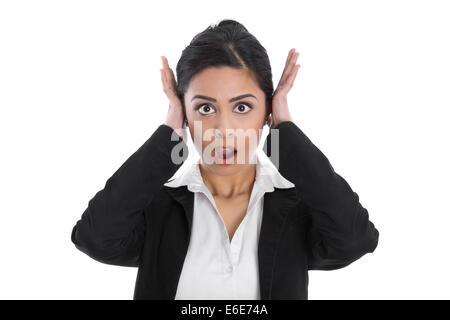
<point x="280" y="109"/>
<point x="175" y="115"/>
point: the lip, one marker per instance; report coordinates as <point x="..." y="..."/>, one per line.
<point x="221" y="149"/>
<point x="219" y="155"/>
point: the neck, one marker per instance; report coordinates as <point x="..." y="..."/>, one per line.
<point x="230" y="186"/>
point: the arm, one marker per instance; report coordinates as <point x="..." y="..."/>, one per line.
<point x="111" y="229"/>
<point x="340" y="231"/>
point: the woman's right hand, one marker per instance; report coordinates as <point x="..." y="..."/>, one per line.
<point x="175" y="116"/>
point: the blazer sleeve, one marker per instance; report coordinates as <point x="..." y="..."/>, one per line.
<point x="111" y="229"/>
<point x="339" y="229"/>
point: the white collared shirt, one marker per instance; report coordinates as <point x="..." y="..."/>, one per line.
<point x="213" y="267"/>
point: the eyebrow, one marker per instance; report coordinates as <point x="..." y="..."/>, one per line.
<point x="199" y="96"/>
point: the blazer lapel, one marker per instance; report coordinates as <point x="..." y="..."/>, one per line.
<point x="276" y="207"/>
<point x="186" y="198"/>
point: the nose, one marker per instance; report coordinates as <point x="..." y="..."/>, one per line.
<point x="224" y="128"/>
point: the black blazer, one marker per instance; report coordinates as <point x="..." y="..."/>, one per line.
<point x="136" y="221"/>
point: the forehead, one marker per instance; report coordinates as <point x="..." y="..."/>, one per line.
<point x="223" y="82"/>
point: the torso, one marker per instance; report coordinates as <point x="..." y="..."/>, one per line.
<point x="232" y="211"/>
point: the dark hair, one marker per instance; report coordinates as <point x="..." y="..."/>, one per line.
<point x="227" y="43"/>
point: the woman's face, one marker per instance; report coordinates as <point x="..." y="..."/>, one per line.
<point x="225" y="108"/>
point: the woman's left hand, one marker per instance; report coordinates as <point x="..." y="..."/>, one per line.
<point x="280" y="109"/>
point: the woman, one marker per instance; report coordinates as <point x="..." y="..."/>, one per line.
<point x="230" y="227"/>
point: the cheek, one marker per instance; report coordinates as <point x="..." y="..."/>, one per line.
<point x="254" y="120"/>
<point x="254" y="127"/>
<point x="251" y="144"/>
<point x="200" y="139"/>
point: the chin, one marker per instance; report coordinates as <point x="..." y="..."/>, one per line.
<point x="225" y="170"/>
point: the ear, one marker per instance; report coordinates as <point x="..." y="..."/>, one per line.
<point x="269" y="120"/>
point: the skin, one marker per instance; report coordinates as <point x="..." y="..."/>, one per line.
<point x="230" y="184"/>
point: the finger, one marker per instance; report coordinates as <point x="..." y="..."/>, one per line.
<point x="165" y="63"/>
<point x="171" y="79"/>
<point x="163" y="80"/>
<point x="291" y="52"/>
<point x="167" y="67"/>
<point x="291" y="79"/>
<point x="168" y="88"/>
<point x="286" y="86"/>
<point x="292" y="61"/>
<point x="161" y="71"/>
<point x="169" y="73"/>
<point x="287" y="63"/>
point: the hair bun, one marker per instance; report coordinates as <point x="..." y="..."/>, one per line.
<point x="230" y="22"/>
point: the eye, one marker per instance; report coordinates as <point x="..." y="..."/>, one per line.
<point x="206" y="108"/>
<point x="241" y="107"/>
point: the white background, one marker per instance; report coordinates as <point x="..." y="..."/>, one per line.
<point x="80" y="91"/>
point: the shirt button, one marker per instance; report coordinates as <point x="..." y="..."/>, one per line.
<point x="229" y="268"/>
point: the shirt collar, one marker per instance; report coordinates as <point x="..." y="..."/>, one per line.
<point x="267" y="176"/>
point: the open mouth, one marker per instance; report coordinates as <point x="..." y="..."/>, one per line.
<point x="225" y="154"/>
